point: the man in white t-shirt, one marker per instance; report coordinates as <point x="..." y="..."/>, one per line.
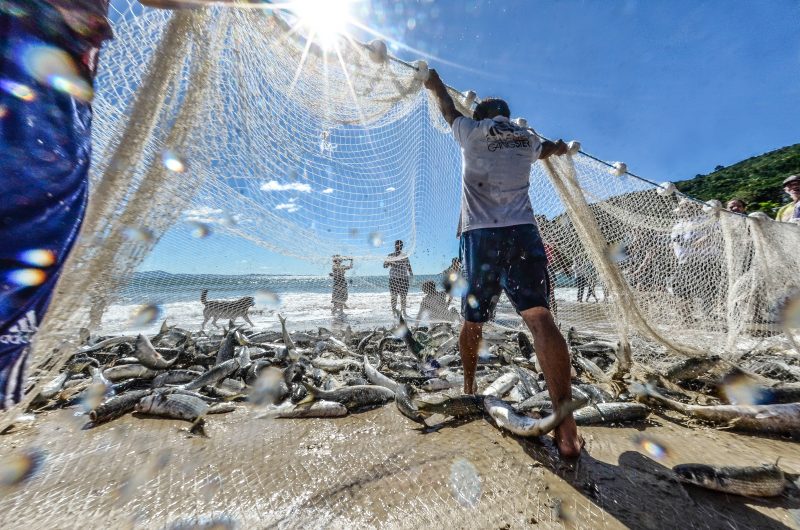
<point x="501" y="249"/>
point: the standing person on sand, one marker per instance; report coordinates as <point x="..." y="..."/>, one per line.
<point x="340" y="293"/>
<point x="500" y="248"/>
<point x="399" y="277"/>
<point x="45" y="139"/>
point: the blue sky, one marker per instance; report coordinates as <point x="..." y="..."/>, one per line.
<point x="673" y="88"/>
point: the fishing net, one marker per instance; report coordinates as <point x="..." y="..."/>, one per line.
<point x="225" y="141"/>
<point x="222" y="136"/>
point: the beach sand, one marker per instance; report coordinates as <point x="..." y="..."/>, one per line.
<point x="375" y="469"/>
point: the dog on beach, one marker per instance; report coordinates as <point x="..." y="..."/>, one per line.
<point x="226" y="309"/>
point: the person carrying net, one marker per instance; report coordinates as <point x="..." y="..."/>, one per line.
<point x="500" y="246"/>
<point x="399" y="277"/>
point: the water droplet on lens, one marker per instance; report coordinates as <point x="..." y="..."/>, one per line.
<point x="210" y="487"/>
<point x="173" y="161"/>
<point x="741" y="389"/>
<point x="19" y="467"/>
<point x="465" y="483"/>
<point x="23" y="92"/>
<point x="38" y="257"/>
<point x="268" y="299"/>
<point x="27" y="277"/>
<point x="145" y="315"/>
<point x="651" y="446"/>
<point x="353" y="232"/>
<point x="790" y="311"/>
<point x="456" y="284"/>
<point x="200" y="230"/>
<point x="375" y="239"/>
<point x="618" y="252"/>
<point x="472" y="301"/>
<point x="138" y="234"/>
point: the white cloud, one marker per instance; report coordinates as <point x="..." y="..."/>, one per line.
<point x="208" y="215"/>
<point x="203" y="211"/>
<point x="274" y="185"/>
<point x="327" y="190"/>
<point x="290" y="207"/>
<point x="391" y="188"/>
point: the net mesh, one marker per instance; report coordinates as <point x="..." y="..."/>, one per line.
<point x="225" y="121"/>
<point x="221" y="136"/>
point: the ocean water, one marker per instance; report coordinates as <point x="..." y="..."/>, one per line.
<point x="304" y="300"/>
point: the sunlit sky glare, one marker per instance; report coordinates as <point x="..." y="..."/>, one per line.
<point x="673" y="88"/>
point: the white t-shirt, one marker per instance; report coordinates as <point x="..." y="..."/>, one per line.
<point x="497" y="158"/>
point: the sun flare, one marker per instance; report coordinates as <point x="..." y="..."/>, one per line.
<point x="322" y="21"/>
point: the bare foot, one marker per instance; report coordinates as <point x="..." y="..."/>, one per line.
<point x="470" y="387"/>
<point x="568" y="441"/>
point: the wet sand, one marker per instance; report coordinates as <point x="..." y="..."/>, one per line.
<point x="376" y="469"/>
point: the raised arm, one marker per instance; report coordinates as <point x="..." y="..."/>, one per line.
<point x="553" y="148"/>
<point x="446" y="104"/>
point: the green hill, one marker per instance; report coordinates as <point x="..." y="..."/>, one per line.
<point x="757" y="180"/>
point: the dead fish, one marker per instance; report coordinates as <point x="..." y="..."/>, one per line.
<point x="353" y="397"/>
<point x="463" y="406"/>
<point x="117" y="406"/>
<point x="102" y="345"/>
<point x="405" y="334"/>
<point x="435" y="384"/>
<point x="501" y="385"/>
<point x="525" y="346"/>
<point x="221" y="408"/>
<point x="402" y="399"/>
<point x="508" y="419"/>
<point x="362" y="345"/>
<point x="175" y="377"/>
<point x="593" y="393"/>
<point x="316" y="409"/>
<point x="777" y="418"/>
<point x="334" y="365"/>
<point x="761" y="481"/>
<point x="287" y="340"/>
<point x="226" y="349"/>
<point x="128" y="371"/>
<point x="144" y="351"/>
<point x="691" y="368"/>
<point x="610" y="413"/>
<point x="597" y="346"/>
<point x="447" y="360"/>
<point x="591" y="368"/>
<point x="214" y="375"/>
<point x="53" y="387"/>
<point x="176" y="406"/>
<point x="377" y="378"/>
<point x="528" y="381"/>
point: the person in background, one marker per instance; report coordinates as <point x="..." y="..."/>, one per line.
<point x="736" y="206"/>
<point x="400" y="274"/>
<point x="49" y="52"/>
<point x="340" y="293"/>
<point x="790" y="213"/>
<point x="583" y="273"/>
<point x="500" y="245"/>
<point x="435" y="306"/>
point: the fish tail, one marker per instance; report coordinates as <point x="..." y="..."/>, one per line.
<point x="204" y="296"/>
<point x="313" y="392"/>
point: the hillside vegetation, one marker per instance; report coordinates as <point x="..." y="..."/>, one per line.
<point x="757" y="180"/>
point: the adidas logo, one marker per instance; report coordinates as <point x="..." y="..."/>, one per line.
<point x="20" y="333"/>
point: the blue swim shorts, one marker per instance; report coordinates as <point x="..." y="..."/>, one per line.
<point x="45" y="141"/>
<point x="510" y="259"/>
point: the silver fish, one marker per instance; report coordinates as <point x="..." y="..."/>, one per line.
<point x="144" y="351"/>
<point x="402" y="399"/>
<point x="353" y="397"/>
<point x="53" y="387"/>
<point x="377" y="378"/>
<point x="463" y="406"/>
<point x="117" y="406"/>
<point x="221" y="408"/>
<point x="214" y="375"/>
<point x="225" y="352"/>
<point x="287" y="340"/>
<point x="761" y="481"/>
<point x="175" y="377"/>
<point x="778" y="418"/>
<point x="501" y="385"/>
<point x="507" y="418"/>
<point x="610" y="413"/>
<point x="102" y="345"/>
<point x="317" y="409"/>
<point x="334" y="365"/>
<point x="436" y="384"/>
<point x="592" y="369"/>
<point x="128" y="371"/>
<point x="177" y="406"/>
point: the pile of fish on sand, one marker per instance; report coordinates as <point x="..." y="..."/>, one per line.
<point x="190" y="375"/>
